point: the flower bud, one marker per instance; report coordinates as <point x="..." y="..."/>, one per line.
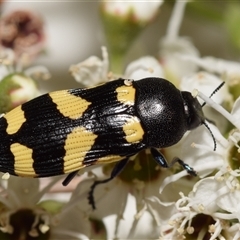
<point x="123" y="22"/>
<point x="22" y="31"/>
<point x="15" y="89"/>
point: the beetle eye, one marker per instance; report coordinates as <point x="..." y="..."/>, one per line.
<point x="193" y="111"/>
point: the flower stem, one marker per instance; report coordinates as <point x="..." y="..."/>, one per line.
<point x="176" y="20"/>
<point x="117" y="63"/>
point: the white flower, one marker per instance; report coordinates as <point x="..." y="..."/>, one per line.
<point x="206" y="82"/>
<point x="15" y="89"/>
<point x="10" y="64"/>
<point x="141" y="10"/>
<point x="131" y="199"/>
<point x="144" y="67"/>
<point x="201" y="156"/>
<point x="232" y="118"/>
<point x="7" y="57"/>
<point x="197" y="150"/>
<point x="92" y="71"/>
<point x="170" y="50"/>
<point x="23" y="32"/>
<point x="230" y="70"/>
<point x="25" y="91"/>
<point x="205" y="159"/>
<point x="23" y="214"/>
<point x="16" y="84"/>
<point x="172" y="46"/>
<point x="215" y="197"/>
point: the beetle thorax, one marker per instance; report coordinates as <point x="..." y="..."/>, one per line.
<point x="161" y="111"/>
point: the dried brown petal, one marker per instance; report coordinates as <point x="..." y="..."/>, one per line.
<point x="23" y="32"/>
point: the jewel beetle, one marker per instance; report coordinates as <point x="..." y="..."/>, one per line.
<point x="64" y="131"/>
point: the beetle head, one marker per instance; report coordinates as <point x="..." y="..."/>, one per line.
<point x="193" y="111"/>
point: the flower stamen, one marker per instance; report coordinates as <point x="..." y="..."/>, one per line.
<point x="220" y="109"/>
<point x="6" y="176"/>
<point x="200" y="146"/>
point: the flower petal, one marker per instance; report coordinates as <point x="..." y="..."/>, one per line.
<point x="22" y="191"/>
<point x="144" y="67"/>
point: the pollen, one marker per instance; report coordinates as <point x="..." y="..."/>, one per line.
<point x="128" y="82"/>
<point x="6" y="176"/>
<point x="7" y="229"/>
<point x="33" y="233"/>
<point x="201" y="208"/>
<point x="172" y="222"/>
<point x="211" y="228"/>
<point x="194" y="93"/>
<point x="44" y="228"/>
<point x="190" y="230"/>
<point x="180" y="231"/>
<point x="139" y="184"/>
<point x="137" y="166"/>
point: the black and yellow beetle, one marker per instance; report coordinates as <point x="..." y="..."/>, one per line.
<point x="64" y="131"/>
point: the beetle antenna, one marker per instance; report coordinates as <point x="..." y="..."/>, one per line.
<point x="214" y="139"/>
<point x="219" y="87"/>
<point x="205" y="124"/>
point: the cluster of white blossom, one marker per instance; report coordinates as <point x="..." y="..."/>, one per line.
<point x="145" y="201"/>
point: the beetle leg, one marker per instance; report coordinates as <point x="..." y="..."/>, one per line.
<point x="160" y="159"/>
<point x="116" y="170"/>
<point x="185" y="166"/>
<point x="69" y="178"/>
